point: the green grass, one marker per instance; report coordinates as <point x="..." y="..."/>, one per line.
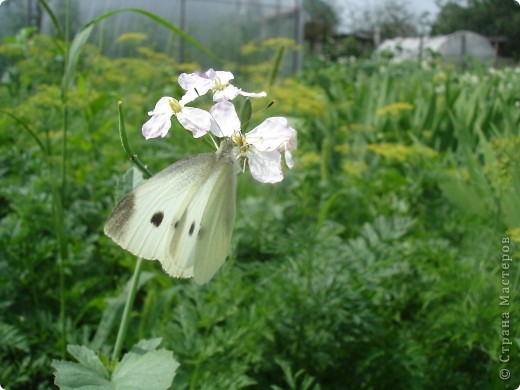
<point x="374" y="264"/>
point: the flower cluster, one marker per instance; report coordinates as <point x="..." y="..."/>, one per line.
<point x="261" y="148"/>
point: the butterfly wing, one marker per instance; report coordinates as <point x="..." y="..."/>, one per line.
<point x="215" y="206"/>
<point x="144" y="220"/>
<point x="202" y="236"/>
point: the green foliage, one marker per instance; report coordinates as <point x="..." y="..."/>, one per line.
<point x="142" y="367"/>
<point x="375" y="264"/>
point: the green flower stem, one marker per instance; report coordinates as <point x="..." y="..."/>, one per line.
<point x="126" y="145"/>
<point x="123" y="327"/>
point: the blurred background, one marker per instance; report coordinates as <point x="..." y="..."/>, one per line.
<point x="377" y="263"/>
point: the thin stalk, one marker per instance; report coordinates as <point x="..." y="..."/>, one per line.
<point x="126" y="144"/>
<point x="59" y="202"/>
<point x="123" y="327"/>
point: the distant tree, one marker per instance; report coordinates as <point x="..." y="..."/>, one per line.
<point x="322" y="23"/>
<point x="391" y="18"/>
<point x="486" y="17"/>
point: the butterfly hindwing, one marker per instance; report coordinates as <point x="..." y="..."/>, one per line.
<point x="214" y="236"/>
<point x="202" y="236"/>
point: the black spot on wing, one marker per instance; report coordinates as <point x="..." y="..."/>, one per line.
<point x="192" y="228"/>
<point x="157" y="218"/>
<point x="176" y="224"/>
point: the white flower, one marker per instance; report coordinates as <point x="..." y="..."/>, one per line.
<point x="198" y="84"/>
<point x="262" y="146"/>
<point x="225" y="121"/>
<point x="274" y="134"/>
<point x="193" y="119"/>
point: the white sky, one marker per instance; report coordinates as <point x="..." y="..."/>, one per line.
<point x="416" y="6"/>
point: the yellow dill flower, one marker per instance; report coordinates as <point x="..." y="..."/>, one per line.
<point x="352" y="127"/>
<point x="295" y="98"/>
<point x="354" y="168"/>
<point x="401" y="152"/>
<point x="309" y="158"/>
<point x="394" y="108"/>
<point x="132" y="36"/>
<point x="280" y="41"/>
<point x="249" y="48"/>
<point x="514" y="234"/>
<point x="500" y="171"/>
<point x="439" y="76"/>
<point x="458" y="173"/>
<point x="342" y="148"/>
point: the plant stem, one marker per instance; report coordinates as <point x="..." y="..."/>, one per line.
<point x="126" y="145"/>
<point x="59" y="199"/>
<point x="123" y="327"/>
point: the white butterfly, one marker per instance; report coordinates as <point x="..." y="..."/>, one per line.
<point x="183" y="216"/>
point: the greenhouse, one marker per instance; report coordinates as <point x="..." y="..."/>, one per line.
<point x="454" y="47"/>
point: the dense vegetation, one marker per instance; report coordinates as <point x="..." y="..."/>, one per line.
<point x="376" y="263"/>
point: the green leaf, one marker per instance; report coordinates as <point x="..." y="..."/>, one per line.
<point x="148" y="345"/>
<point x="145" y="368"/>
<point x="54" y="19"/>
<point x="88" y="359"/>
<point x="276" y="66"/>
<point x="245" y="114"/>
<point x="74" y="376"/>
<point x="75" y="49"/>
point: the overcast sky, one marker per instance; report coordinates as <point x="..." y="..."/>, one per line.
<point x="416" y="6"/>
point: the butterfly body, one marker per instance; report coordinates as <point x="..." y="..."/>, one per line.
<point x="183" y="216"/>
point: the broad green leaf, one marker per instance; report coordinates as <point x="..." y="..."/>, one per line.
<point x="141" y="368"/>
<point x="88" y="359"/>
<point x="152" y="370"/>
<point x="70" y="375"/>
<point x="148" y="345"/>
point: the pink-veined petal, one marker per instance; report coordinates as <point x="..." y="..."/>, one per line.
<point x="273" y="134"/>
<point x="229" y="93"/>
<point x="157" y="126"/>
<point x="226" y="121"/>
<point x="162" y="106"/>
<point x="193" y="80"/>
<point x="265" y="167"/>
<point x="195" y="120"/>
<point x="252" y="94"/>
<point x="195" y="85"/>
<point x="224" y="77"/>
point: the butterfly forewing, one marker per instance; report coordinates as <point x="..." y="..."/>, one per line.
<point x="143" y="221"/>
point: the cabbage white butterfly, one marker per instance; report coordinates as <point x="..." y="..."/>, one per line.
<point x="183" y="216"/>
